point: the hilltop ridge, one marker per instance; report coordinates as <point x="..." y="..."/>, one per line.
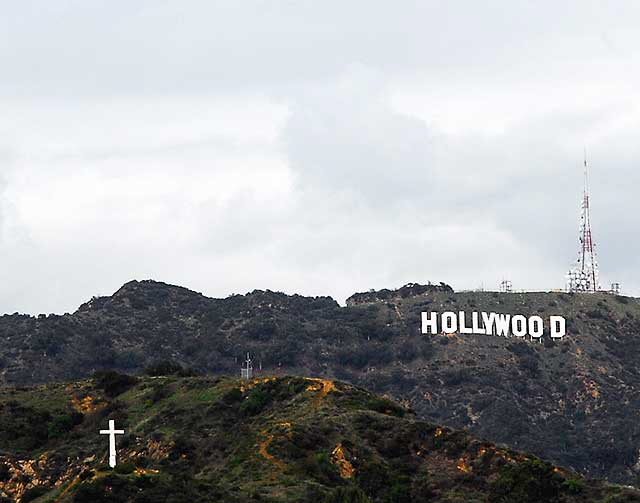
<point x="270" y="440"/>
<point x="385" y="295"/>
<point x="571" y="401"/>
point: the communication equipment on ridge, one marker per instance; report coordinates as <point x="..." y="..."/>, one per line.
<point x="506" y="286"/>
<point x="246" y="371"/>
<point x="583" y="276"/>
<point x="615" y="288"/>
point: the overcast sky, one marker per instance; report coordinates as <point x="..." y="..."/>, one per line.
<point x="320" y="148"/>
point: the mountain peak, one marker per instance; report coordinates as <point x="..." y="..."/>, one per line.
<point x="406" y="291"/>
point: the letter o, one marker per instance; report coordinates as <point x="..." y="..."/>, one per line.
<point x="535" y="327"/>
<point x="519" y="325"/>
<point x="449" y="322"/>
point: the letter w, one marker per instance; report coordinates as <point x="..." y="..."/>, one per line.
<point x="502" y="324"/>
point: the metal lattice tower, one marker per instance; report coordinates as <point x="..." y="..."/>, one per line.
<point x="583" y="276"/>
<point x="246" y="371"/>
<point x="506" y="286"/>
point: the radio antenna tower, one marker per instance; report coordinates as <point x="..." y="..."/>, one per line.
<point x="583" y="276"/>
<point x="246" y="371"/>
<point x="506" y="286"/>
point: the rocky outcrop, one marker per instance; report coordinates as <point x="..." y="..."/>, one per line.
<point x="408" y="290"/>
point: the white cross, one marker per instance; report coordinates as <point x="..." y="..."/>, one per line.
<point x="112" y="432"/>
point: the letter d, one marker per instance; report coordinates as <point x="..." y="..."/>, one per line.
<point x="558" y="327"/>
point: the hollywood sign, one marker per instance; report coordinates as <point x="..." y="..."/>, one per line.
<point x="504" y="325"/>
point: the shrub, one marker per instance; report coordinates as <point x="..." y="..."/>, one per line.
<point x="124" y="468"/>
<point x="232" y="396"/>
<point x="255" y="402"/>
<point x="318" y="465"/>
<point x="407" y="352"/>
<point x="573" y="486"/>
<point x="159" y="393"/>
<point x="426" y="348"/>
<point x="529" y="364"/>
<point x="89" y="493"/>
<point x="168" y="368"/>
<point x="23" y="427"/>
<point x="182" y="447"/>
<point x="400" y="491"/>
<point x="113" y="383"/>
<point x="5" y="473"/>
<point x="596" y="314"/>
<point x="456" y="377"/>
<point x="86" y="474"/>
<point x="348" y="494"/>
<point x="64" y="423"/>
<point x="385" y="406"/>
<point x="372" y="477"/>
<point x="34" y="492"/>
<point x="531" y="481"/>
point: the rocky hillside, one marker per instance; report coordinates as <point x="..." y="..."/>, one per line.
<point x="287" y="439"/>
<point x="574" y="401"/>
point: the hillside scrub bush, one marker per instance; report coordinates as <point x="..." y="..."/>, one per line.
<point x="400" y="491"/>
<point x="455" y="377"/>
<point x="319" y="466"/>
<point x="34" y="493"/>
<point x="385" y="406"/>
<point x="113" y="383"/>
<point x="573" y="486"/>
<point x="159" y="392"/>
<point x="426" y="348"/>
<point x="254" y="402"/>
<point x="182" y="447"/>
<point x="522" y="348"/>
<point x="596" y="314"/>
<point x="400" y="380"/>
<point x="124" y="468"/>
<point x="529" y="364"/>
<point x="63" y="423"/>
<point x="531" y="481"/>
<point x="232" y="396"/>
<point x="622" y="497"/>
<point x="456" y="443"/>
<point x="86" y="474"/>
<point x="349" y="494"/>
<point x="23" y="427"/>
<point x="407" y="351"/>
<point x="168" y="368"/>
<point x="5" y="473"/>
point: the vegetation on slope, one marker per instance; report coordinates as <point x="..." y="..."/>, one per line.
<point x="287" y="439"/>
<point x="572" y="401"/>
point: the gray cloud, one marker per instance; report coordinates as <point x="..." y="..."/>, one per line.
<point x="314" y="147"/>
<point x="344" y="137"/>
<point x="93" y="47"/>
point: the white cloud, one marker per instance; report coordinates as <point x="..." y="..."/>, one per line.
<point x="319" y="148"/>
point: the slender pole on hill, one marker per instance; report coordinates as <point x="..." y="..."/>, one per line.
<point x="584" y="276"/>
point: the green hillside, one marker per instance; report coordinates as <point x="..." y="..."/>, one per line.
<point x="286" y="439"/>
<point x="574" y="402"/>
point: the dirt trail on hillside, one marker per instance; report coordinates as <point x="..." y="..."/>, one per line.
<point x="323" y="386"/>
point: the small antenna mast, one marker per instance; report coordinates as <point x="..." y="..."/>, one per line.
<point x="583" y="276"/>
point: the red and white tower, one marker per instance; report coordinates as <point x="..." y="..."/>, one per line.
<point x="583" y="276"/>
